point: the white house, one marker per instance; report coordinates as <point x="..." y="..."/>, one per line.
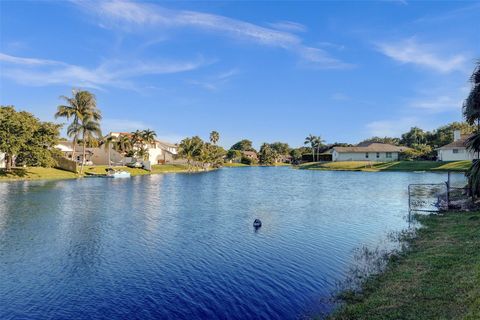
<point x="2" y="160"/>
<point x="372" y="151"/>
<point x="456" y="150"/>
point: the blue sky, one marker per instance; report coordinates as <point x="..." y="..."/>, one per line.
<point x="266" y="71"/>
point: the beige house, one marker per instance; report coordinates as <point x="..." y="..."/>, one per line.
<point x="456" y="150"/>
<point x="2" y="160"/>
<point x="372" y="151"/>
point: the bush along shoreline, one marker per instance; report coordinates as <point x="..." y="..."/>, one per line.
<point x="436" y="274"/>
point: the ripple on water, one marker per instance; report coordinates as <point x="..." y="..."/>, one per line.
<point x="183" y="246"/>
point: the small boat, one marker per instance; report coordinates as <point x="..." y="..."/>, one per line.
<point x="112" y="173"/>
<point x="257" y="223"/>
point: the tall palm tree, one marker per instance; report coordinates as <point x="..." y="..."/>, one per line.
<point x="318" y="144"/>
<point x="471" y="112"/>
<point x="90" y="129"/>
<point x="123" y="144"/>
<point x="214" y="137"/>
<point x="311" y="139"/>
<point x="82" y="104"/>
<point x="148" y="136"/>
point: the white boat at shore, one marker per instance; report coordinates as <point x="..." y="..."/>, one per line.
<point x="112" y="173"/>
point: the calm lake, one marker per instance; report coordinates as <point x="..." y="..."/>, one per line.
<point x="180" y="246"/>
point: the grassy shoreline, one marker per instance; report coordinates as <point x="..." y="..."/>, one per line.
<point x="39" y="173"/>
<point x="438" y="277"/>
<point x="433" y="166"/>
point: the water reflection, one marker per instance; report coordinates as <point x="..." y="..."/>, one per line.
<point x="182" y="246"/>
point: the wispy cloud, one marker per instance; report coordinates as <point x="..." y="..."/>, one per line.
<point x="424" y="55"/>
<point x="131" y="15"/>
<point x="338" y="96"/>
<point x="213" y="83"/>
<point x="289" y="26"/>
<point x="40" y="72"/>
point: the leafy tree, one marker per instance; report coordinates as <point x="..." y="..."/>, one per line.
<point x="190" y="149"/>
<point x="234" y="154"/>
<point x="214" y="137"/>
<point x="28" y="139"/>
<point x="267" y="155"/>
<point x="280" y="148"/>
<point x="444" y="134"/>
<point x="296" y="155"/>
<point x="149" y="136"/>
<point x="243" y="145"/>
<point x="387" y="140"/>
<point x="414" y="136"/>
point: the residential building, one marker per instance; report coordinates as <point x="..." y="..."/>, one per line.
<point x="370" y="151"/>
<point x="457" y="150"/>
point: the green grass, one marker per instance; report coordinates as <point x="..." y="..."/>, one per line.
<point x="388" y="166"/>
<point x="167" y="168"/>
<point x="235" y="164"/>
<point x="438" y="277"/>
<point x="36" y="173"/>
<point x="101" y="170"/>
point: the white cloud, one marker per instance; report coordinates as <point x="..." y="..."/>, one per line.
<point x="422" y="54"/>
<point x="440" y="100"/>
<point x="391" y="128"/>
<point x="288" y="26"/>
<point x="213" y="83"/>
<point x="338" y="96"/>
<point x="130" y="15"/>
<point x="39" y="72"/>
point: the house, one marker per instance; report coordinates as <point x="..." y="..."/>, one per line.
<point x="2" y="160"/>
<point x="456" y="150"/>
<point x="252" y="155"/>
<point x="66" y="148"/>
<point x="369" y="151"/>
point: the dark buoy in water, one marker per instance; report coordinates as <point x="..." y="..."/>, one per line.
<point x="257" y="223"/>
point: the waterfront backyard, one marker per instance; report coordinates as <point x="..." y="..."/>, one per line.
<point x="183" y="246"/>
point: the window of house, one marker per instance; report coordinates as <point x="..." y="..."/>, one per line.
<point x="388" y="154"/>
<point x="378" y="154"/>
<point x="455" y="150"/>
<point x="366" y="154"/>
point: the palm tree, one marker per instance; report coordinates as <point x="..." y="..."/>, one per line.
<point x="471" y="112"/>
<point x="214" y="137"/>
<point x="318" y="144"/>
<point x="83" y="104"/>
<point x="123" y="144"/>
<point x="148" y="136"/>
<point x="311" y="139"/>
<point x="90" y="129"/>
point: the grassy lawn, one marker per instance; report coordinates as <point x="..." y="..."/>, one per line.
<point x="437" y="278"/>
<point x="166" y="168"/>
<point x="234" y="164"/>
<point x="101" y="170"/>
<point x="388" y="166"/>
<point x="35" y="173"/>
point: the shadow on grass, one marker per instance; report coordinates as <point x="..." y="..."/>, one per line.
<point x="14" y="173"/>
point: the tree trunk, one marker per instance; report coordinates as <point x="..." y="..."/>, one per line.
<point x="74" y="144"/>
<point x="313" y="154"/>
<point x="83" y="156"/>
<point x="8" y="163"/>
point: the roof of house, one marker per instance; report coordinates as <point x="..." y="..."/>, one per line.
<point x="250" y="153"/>
<point x="372" y="147"/>
<point x="460" y="143"/>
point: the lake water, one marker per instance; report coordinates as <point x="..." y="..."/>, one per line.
<point x="181" y="246"/>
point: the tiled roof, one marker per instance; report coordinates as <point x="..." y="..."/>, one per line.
<point x="457" y="144"/>
<point x="372" y="147"/>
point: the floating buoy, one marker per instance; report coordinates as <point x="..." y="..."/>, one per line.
<point x="257" y="223"/>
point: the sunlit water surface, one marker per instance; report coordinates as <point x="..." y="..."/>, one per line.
<point x="182" y="246"/>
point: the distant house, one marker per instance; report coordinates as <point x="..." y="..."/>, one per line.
<point x="252" y="155"/>
<point x="370" y="151"/>
<point x="2" y="160"/>
<point x="456" y="150"/>
<point x="66" y="148"/>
